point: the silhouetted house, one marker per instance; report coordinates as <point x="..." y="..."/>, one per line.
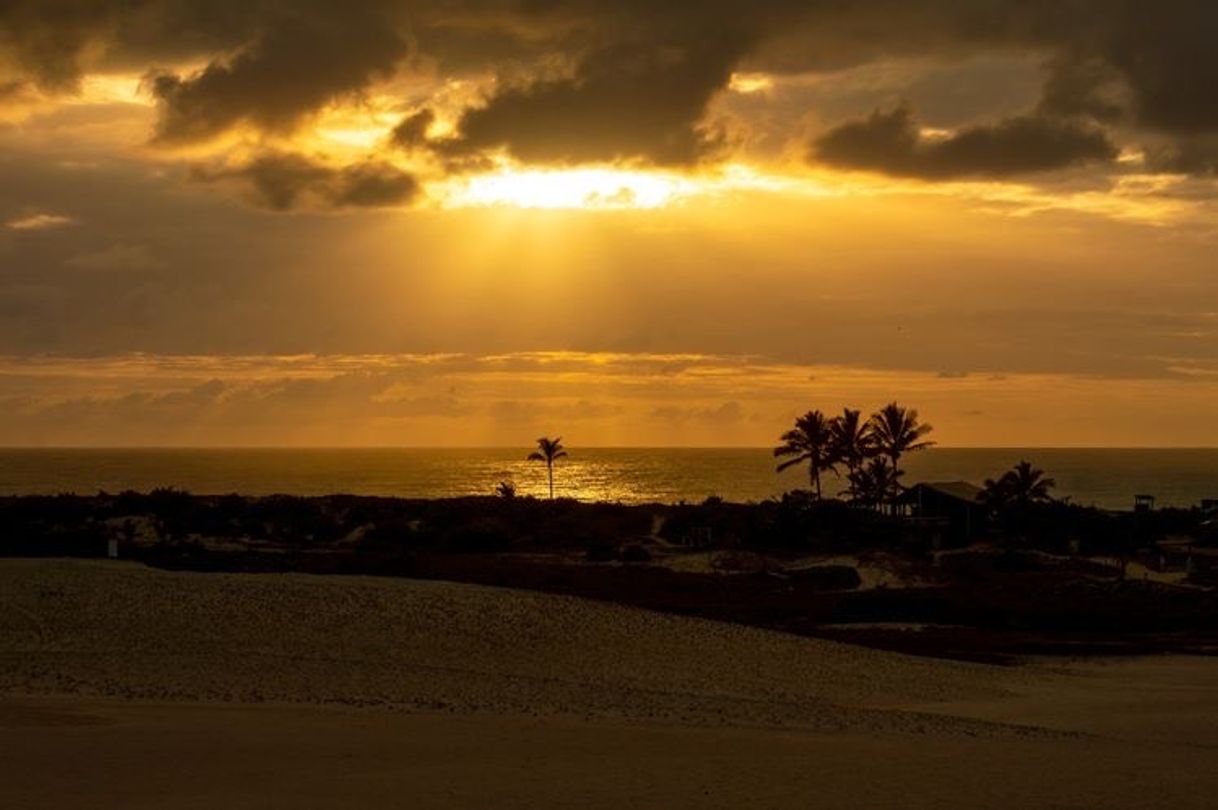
<point x="1182" y="554"/>
<point x="1143" y="503"/>
<point x="697" y="537"/>
<point x="946" y="512"/>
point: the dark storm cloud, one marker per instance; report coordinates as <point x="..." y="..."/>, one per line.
<point x="634" y="79"/>
<point x="630" y="79"/>
<point x="1195" y="156"/>
<point x="1089" y="87"/>
<point x="1163" y="53"/>
<point x="282" y="182"/>
<point x="1120" y="62"/>
<point x="624" y="101"/>
<point x="412" y="131"/>
<point x="47" y="38"/>
<point x="891" y="142"/>
<point x="298" y="64"/>
<point x="52" y="43"/>
<point x="1150" y="64"/>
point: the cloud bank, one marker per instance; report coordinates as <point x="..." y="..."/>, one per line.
<point x="582" y="81"/>
<point x="282" y="182"/>
<point x="890" y="142"/>
<point x="594" y="399"/>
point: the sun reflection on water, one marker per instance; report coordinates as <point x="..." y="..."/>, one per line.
<point x="581" y="480"/>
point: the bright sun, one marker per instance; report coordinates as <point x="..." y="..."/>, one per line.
<point x="607" y="188"/>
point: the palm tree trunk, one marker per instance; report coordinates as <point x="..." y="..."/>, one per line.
<point x="550" y="470"/>
<point x="816" y="476"/>
<point x="892" y="498"/>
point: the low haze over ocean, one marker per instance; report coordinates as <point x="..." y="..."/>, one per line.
<point x="1103" y="477"/>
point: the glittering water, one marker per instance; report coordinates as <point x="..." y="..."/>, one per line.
<point x="1104" y="477"/>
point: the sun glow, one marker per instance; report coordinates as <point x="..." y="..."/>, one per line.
<point x="105" y="88"/>
<point x="614" y="187"/>
<point x="570" y="188"/>
<point x="747" y="83"/>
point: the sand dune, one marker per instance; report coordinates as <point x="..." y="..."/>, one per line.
<point x="128" y="631"/>
<point x="207" y="690"/>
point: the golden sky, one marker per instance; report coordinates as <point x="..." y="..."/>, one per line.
<point x="470" y="222"/>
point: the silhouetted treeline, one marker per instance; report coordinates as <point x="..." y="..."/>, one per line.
<point x="70" y="525"/>
<point x="83" y="525"/>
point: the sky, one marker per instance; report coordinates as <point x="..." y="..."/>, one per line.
<point x="474" y="222"/>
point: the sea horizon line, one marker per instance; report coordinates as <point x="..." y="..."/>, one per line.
<point x="526" y="446"/>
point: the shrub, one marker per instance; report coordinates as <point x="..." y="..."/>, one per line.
<point x="634" y="553"/>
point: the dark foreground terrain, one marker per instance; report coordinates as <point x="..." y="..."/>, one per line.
<point x="1060" y="581"/>
<point x="128" y="686"/>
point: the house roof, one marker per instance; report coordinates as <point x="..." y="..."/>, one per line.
<point x="959" y="490"/>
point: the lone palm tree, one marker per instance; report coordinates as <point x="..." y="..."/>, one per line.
<point x="809" y="442"/>
<point x="895" y="431"/>
<point x="549" y="450"/>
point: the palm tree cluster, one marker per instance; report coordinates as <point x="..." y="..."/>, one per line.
<point x="869" y="449"/>
<point x="1017" y="488"/>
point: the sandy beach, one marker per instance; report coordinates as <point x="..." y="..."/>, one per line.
<point x="127" y="686"/>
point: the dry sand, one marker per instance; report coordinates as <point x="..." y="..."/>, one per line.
<point x="125" y="686"/>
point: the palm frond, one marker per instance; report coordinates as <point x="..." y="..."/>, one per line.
<point x="792" y="462"/>
<point x="548" y="449"/>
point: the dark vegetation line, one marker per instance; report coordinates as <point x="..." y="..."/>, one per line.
<point x="986" y="604"/>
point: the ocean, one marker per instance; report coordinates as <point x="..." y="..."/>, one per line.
<point x="1108" y="478"/>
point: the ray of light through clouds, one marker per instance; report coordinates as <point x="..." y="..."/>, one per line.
<point x="379" y="222"/>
